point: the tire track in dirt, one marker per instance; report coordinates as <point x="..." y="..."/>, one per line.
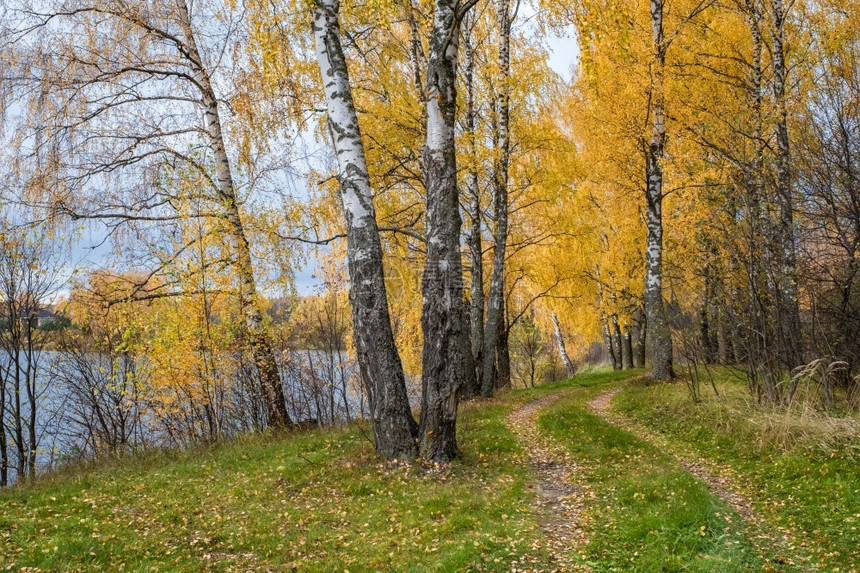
<point x="560" y="498"/>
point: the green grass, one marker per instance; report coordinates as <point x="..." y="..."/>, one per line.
<point x="800" y="468"/>
<point x="649" y="514"/>
<point x="320" y="501"/>
<point x="316" y="502"/>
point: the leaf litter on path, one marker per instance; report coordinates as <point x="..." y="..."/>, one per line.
<point x="560" y="498"/>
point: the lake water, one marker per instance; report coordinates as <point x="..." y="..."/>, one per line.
<point x="321" y="388"/>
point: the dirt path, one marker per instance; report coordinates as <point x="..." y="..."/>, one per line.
<point x="718" y="479"/>
<point x="561" y="499"/>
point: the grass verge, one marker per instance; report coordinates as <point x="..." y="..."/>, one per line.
<point x="801" y="476"/>
<point x="315" y="501"/>
<point x="320" y="501"/>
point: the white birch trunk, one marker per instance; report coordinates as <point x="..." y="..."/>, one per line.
<point x="790" y="327"/>
<point x="569" y="368"/>
<point x="447" y="356"/>
<point x="658" y="326"/>
<point x="500" y="198"/>
<point x="395" y="430"/>
<point x="476" y="312"/>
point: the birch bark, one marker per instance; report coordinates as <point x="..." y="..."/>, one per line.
<point x="569" y="368"/>
<point x="658" y="325"/>
<point x="476" y="252"/>
<point x="628" y="349"/>
<point x="500" y="197"/>
<point x="607" y="339"/>
<point x="618" y="341"/>
<point x="642" y="345"/>
<point x="394" y="428"/>
<point x="790" y="324"/>
<point x="447" y="355"/>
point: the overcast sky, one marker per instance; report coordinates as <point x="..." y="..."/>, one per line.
<point x="563" y="55"/>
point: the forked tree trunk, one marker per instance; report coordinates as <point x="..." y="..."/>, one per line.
<point x="447" y="352"/>
<point x="394" y="428"/>
<point x="500" y="194"/>
<point x="569" y="368"/>
<point x="259" y="341"/>
<point x="658" y="324"/>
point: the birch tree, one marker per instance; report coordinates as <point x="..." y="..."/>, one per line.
<point x="658" y="325"/>
<point x="447" y="356"/>
<point x="790" y="326"/>
<point x="395" y="431"/>
<point x="475" y="239"/>
<point x="495" y="309"/>
<point x="135" y="97"/>
<point x="569" y="368"/>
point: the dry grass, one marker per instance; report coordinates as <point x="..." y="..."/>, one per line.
<point x="804" y="424"/>
<point x="801" y="425"/>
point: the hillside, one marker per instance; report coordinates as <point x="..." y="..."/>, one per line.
<point x="548" y="480"/>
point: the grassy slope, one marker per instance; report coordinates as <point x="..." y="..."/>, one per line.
<point x="796" y="476"/>
<point x="317" y="501"/>
<point x="322" y="502"/>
